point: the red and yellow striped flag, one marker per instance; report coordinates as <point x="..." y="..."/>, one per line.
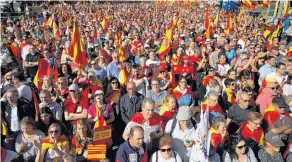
<point x="285" y="8"/>
<point x="229" y="26"/>
<point x="166" y="43"/>
<point x="122" y="76"/>
<point x="207" y="25"/>
<point x="104" y="23"/>
<point x="56" y="30"/>
<point x="101" y="121"/>
<point x="289" y="53"/>
<point x="267" y="32"/>
<point x="248" y="4"/>
<point x="77" y="47"/>
<point x="274" y="35"/>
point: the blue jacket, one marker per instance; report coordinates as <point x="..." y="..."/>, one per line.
<point x="127" y="153"/>
<point x="230" y="55"/>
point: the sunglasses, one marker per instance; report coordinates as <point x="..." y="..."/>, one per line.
<point x="241" y="147"/>
<point x="99" y="94"/>
<point x="8" y="79"/>
<point x="164" y="150"/>
<point x="211" y="70"/>
<point x="94" y="63"/>
<point x="114" y="82"/>
<point x="55" y="131"/>
<point x="60" y="83"/>
<point x="72" y="91"/>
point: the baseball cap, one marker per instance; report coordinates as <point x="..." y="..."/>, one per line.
<point x="280" y="101"/>
<point x="97" y="92"/>
<point x="274" y="139"/>
<point x="184" y="113"/>
<point x="73" y="87"/>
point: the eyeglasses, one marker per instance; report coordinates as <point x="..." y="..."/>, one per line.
<point x="55" y="131"/>
<point x="114" y="82"/>
<point x="164" y="150"/>
<point x="250" y="94"/>
<point x="60" y="83"/>
<point x="93" y="63"/>
<point x="241" y="147"/>
<point x="211" y="70"/>
<point x="272" y="88"/>
<point x="99" y="94"/>
<point x="72" y="91"/>
<point x="8" y="79"/>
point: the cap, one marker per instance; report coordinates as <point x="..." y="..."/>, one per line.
<point x="146" y="46"/>
<point x="97" y="92"/>
<point x="162" y="68"/>
<point x="261" y="54"/>
<point x="185" y="58"/>
<point x="274" y="139"/>
<point x="280" y="101"/>
<point x="184" y="113"/>
<point x="73" y="87"/>
<point x="271" y="80"/>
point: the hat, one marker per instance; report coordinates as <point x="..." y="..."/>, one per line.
<point x="162" y="68"/>
<point x="184" y="113"/>
<point x="73" y="87"/>
<point x="261" y="54"/>
<point x="146" y="46"/>
<point x="271" y="80"/>
<point x="280" y="101"/>
<point x="274" y="139"/>
<point x="208" y="40"/>
<point x="97" y="92"/>
<point x="185" y="58"/>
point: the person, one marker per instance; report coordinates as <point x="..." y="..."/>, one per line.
<point x="54" y="146"/>
<point x="113" y="67"/>
<point x="222" y="66"/>
<point x="48" y="85"/>
<point x="130" y="103"/>
<point x="252" y="131"/>
<point x="218" y="133"/>
<point x="153" y="62"/>
<point x="267" y="69"/>
<point x="15" y="110"/>
<point x="24" y="90"/>
<point x="81" y="140"/>
<point x="26" y="140"/>
<point x="265" y="97"/>
<point x="168" y="108"/>
<point x="287" y="88"/>
<point x="62" y="91"/>
<point x="99" y="71"/>
<point x="69" y="158"/>
<point x="279" y="74"/>
<point x="7" y="84"/>
<point x="211" y="102"/>
<point x="156" y="94"/>
<point x="165" y="152"/>
<point x="45" y="97"/>
<point x="182" y="131"/>
<point x="242" y="107"/>
<point x="275" y="115"/>
<point x="99" y="110"/>
<point x="182" y="93"/>
<point x="237" y="150"/>
<point x="31" y="62"/>
<point x="271" y="150"/>
<point x="133" y="149"/>
<point x="228" y="95"/>
<point x="150" y="121"/>
<point x="76" y="106"/>
<point x="66" y="71"/>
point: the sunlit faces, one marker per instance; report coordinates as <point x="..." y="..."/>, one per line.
<point x="148" y="110"/>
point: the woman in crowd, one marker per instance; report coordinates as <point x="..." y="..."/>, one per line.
<point x="168" y="108"/>
<point x="237" y="150"/>
<point x="287" y="88"/>
<point x="48" y="84"/>
<point x="25" y="141"/>
<point x="165" y="152"/>
<point x="66" y="71"/>
<point x="252" y="132"/>
<point x="81" y="140"/>
<point x="183" y="93"/>
<point x="54" y="146"/>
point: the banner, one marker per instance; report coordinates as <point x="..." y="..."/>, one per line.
<point x="96" y="152"/>
<point x="102" y="135"/>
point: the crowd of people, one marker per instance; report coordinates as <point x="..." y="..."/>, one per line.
<point x="150" y="87"/>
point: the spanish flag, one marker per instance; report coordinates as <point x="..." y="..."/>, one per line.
<point x="104" y="23"/>
<point x="274" y="35"/>
<point x="229" y="26"/>
<point x="77" y="47"/>
<point x="166" y="43"/>
<point x="285" y="9"/>
<point x="248" y="4"/>
<point x="120" y="48"/>
<point x="56" y="30"/>
<point x="4" y="129"/>
<point x="267" y="32"/>
<point x="101" y="121"/>
<point x="48" y="23"/>
<point x="289" y="53"/>
<point x="122" y="76"/>
<point x="266" y="3"/>
<point x="44" y="69"/>
<point x="207" y="25"/>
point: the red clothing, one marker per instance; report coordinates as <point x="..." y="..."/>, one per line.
<point x="216" y="108"/>
<point x="264" y="100"/>
<point x="154" y="120"/>
<point x="167" y="115"/>
<point x="194" y="59"/>
<point x="181" y="69"/>
<point x="76" y="108"/>
<point x="256" y="135"/>
<point x="216" y="138"/>
<point x="272" y="116"/>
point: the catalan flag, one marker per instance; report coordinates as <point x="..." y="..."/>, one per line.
<point x="274" y="35"/>
<point x="48" y="23"/>
<point x="77" y="47"/>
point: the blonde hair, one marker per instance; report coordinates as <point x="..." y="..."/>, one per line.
<point x="83" y="122"/>
<point x="252" y="116"/>
<point x="27" y="121"/>
<point x="165" y="100"/>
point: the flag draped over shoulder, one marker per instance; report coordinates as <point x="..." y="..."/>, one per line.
<point x="208" y="25"/>
<point x="200" y="149"/>
<point x="77" y="47"/>
<point x="101" y="121"/>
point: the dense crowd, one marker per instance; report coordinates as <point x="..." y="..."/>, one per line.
<point x="153" y="89"/>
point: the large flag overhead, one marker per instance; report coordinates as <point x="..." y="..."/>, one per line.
<point x="77" y="47"/>
<point x="166" y="43"/>
<point x="229" y="26"/>
<point x="200" y="149"/>
<point x="56" y="30"/>
<point x="208" y="25"/>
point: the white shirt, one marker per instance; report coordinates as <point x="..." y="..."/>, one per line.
<point x="25" y="92"/>
<point x="15" y="126"/>
<point x="161" y="159"/>
<point x="222" y="69"/>
<point x="179" y="137"/>
<point x="25" y="51"/>
<point x="287" y="89"/>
